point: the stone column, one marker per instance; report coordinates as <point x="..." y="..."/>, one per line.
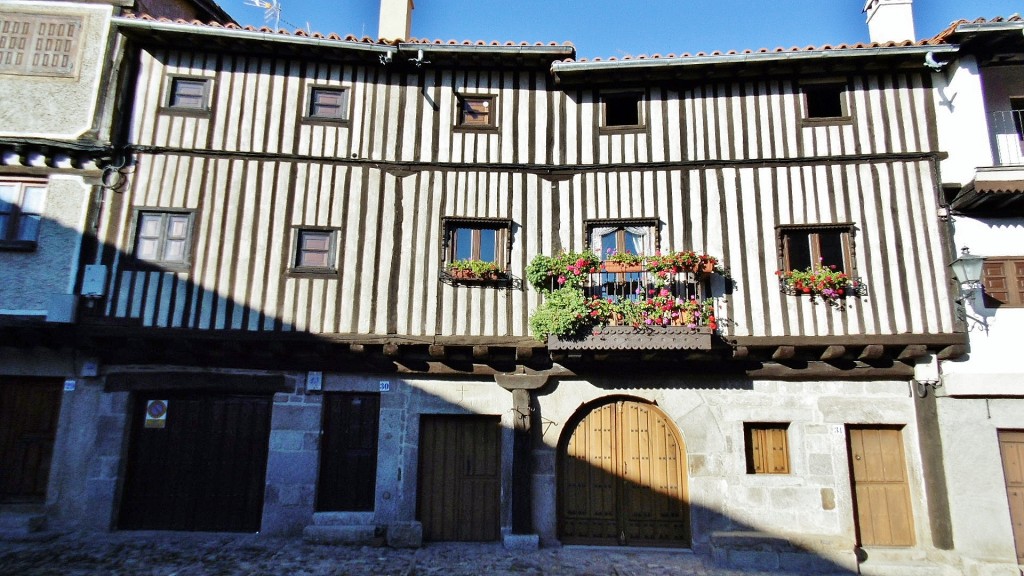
<point x="522" y="387"/>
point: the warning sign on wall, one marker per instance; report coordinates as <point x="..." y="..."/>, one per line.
<point x="156" y="413"/>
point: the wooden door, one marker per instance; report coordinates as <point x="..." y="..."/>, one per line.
<point x="1011" y="447"/>
<point x="623" y="479"/>
<point x="459" y="484"/>
<point x="203" y="470"/>
<point x="348" y="452"/>
<point x="880" y="489"/>
<point x="29" y="410"/>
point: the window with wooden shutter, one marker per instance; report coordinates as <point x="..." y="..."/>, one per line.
<point x="476" y="111"/>
<point x="767" y="448"/>
<point x="1003" y="280"/>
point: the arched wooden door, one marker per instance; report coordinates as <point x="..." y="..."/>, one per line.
<point x="622" y="479"/>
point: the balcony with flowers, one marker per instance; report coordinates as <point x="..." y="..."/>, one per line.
<point x="625" y="302"/>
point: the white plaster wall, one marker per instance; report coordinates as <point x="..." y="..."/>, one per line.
<point x="977" y="493"/>
<point x="995" y="333"/>
<point x="29" y="279"/>
<point x="961" y="121"/>
<point x="813" y="503"/>
<point x="47" y="107"/>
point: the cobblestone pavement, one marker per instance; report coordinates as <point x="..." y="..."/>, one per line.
<point x="186" y="554"/>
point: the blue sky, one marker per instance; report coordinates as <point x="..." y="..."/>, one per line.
<point x="606" y="28"/>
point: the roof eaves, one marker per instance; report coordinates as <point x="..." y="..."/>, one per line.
<point x="748" y="58"/>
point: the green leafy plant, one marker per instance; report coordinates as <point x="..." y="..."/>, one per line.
<point x="626" y="258"/>
<point x="563" y="312"/>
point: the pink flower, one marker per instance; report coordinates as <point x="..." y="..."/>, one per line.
<point x="561" y="280"/>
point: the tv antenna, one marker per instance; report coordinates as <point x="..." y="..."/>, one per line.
<point x="272" y="11"/>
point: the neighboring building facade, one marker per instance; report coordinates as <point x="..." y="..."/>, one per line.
<point x="281" y="346"/>
<point x="979" y="99"/>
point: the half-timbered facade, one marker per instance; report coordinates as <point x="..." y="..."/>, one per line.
<point x="291" y="350"/>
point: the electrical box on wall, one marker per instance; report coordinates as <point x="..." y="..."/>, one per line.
<point x="94" y="282"/>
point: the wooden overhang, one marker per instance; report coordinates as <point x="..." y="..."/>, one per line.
<point x="791" y="358"/>
<point x="802" y="63"/>
<point x="991" y="198"/>
<point x="993" y="43"/>
<point x="403" y="56"/>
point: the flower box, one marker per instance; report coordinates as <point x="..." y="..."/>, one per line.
<point x="619" y="267"/>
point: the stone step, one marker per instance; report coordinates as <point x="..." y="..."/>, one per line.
<point x="342" y="534"/>
<point x="21" y="522"/>
<point x="907" y="561"/>
<point x="343" y="519"/>
<point x="919" y="568"/>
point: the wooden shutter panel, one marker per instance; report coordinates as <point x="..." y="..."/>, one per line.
<point x="769" y="450"/>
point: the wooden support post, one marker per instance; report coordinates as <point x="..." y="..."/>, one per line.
<point x="390" y="350"/>
<point x="481" y="352"/>
<point x="436" y="351"/>
<point x="913" y="352"/>
<point x="524" y="353"/>
<point x="740" y="353"/>
<point x="952" y="352"/>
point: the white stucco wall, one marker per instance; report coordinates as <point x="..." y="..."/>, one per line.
<point x="29" y="279"/>
<point x="52" y="107"/>
<point x="961" y="121"/>
<point x="995" y="333"/>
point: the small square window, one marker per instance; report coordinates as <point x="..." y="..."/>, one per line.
<point x="328" y="103"/>
<point x="825" y="100"/>
<point x="21" y="213"/>
<point x="164" y="238"/>
<point x="767" y="448"/>
<point x="622" y="110"/>
<point x="1003" y="282"/>
<point x="476" y="111"/>
<point x="188" y="93"/>
<point x="807" y="246"/>
<point x="315" y="251"/>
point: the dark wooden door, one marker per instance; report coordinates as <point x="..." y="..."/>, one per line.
<point x="623" y="479"/>
<point x="29" y="409"/>
<point x="203" y="470"/>
<point x="1011" y="447"/>
<point x="459" y="482"/>
<point x="881" y="495"/>
<point x="348" y="452"/>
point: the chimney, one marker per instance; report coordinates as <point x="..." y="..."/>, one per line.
<point x="890" y="20"/>
<point x="395" y="19"/>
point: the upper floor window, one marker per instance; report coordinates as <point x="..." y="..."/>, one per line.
<point x="825" y="101"/>
<point x="480" y="245"/>
<point x="39" y="44"/>
<point x="623" y="236"/>
<point x="189" y="94"/>
<point x="1003" y="280"/>
<point x="164" y="238"/>
<point x="805" y="246"/>
<point x="476" y="111"/>
<point x="21" y="212"/>
<point x="328" y="104"/>
<point x="315" y="250"/>
<point x="1017" y="113"/>
<point x="622" y="110"/>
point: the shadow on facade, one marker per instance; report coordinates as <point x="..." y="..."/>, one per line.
<point x="598" y="496"/>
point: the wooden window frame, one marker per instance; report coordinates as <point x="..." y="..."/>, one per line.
<point x="461" y="123"/>
<point x="44" y="39"/>
<point x="1013" y="273"/>
<point x="502" y="241"/>
<point x="612" y="99"/>
<point x="308" y="116"/>
<point x="297" y="269"/>
<point x="173" y="81"/>
<point x="589" y="227"/>
<point x="821" y="89"/>
<point x="785" y="233"/>
<point x="10" y="240"/>
<point x="183" y="265"/>
<point x="766" y="447"/>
